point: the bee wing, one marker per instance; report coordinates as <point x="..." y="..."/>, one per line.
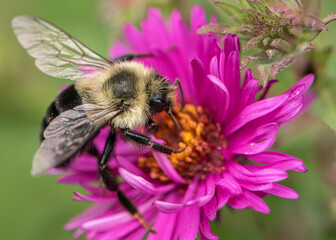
<point x="57" y="53"/>
<point x="68" y="133"/>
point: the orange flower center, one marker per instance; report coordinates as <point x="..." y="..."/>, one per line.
<point x="202" y="138"/>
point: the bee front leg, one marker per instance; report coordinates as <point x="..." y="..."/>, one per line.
<point x="110" y="181"/>
<point x="142" y="139"/>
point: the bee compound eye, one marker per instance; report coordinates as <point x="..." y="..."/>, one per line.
<point x="157" y="105"/>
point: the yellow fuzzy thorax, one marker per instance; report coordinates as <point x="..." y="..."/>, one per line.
<point x="94" y="91"/>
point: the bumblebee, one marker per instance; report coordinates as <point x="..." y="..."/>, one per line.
<point x="122" y="93"/>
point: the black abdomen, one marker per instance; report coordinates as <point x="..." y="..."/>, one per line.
<point x="64" y="101"/>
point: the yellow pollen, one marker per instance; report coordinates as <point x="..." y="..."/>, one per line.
<point x="202" y="138"/>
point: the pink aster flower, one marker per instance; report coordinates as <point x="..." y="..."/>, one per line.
<point x="226" y="127"/>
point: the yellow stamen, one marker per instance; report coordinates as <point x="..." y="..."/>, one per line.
<point x="202" y="137"/>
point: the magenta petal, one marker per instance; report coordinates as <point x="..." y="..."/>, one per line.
<point x="97" y="199"/>
<point x="253" y="148"/>
<point x="155" y="24"/>
<point x="248" y="76"/>
<point x="192" y="188"/>
<point x="297" y="88"/>
<point x="199" y="80"/>
<point x="142" y="184"/>
<point x="113" y="221"/>
<point x="135" y="37"/>
<point x="223" y="196"/>
<point x="238" y="202"/>
<point x="164" y="225"/>
<point x="230" y="183"/>
<point x="249" y="92"/>
<point x="293" y="163"/>
<point x="253" y="134"/>
<point x="289" y="165"/>
<point x="205" y="228"/>
<point x="198" y="18"/>
<point x="188" y="224"/>
<point x="167" y="167"/>
<point x="232" y="83"/>
<point x="261" y="176"/>
<point x="137" y="234"/>
<point x="118" y="49"/>
<point x="282" y="191"/>
<point x="254" y="111"/>
<point x="288" y="111"/>
<point x="127" y="163"/>
<point x="210" y="209"/>
<point x="222" y="99"/>
<point x="255" y="202"/>
<point x="256" y="187"/>
<point x="119" y="232"/>
<point x="92" y="212"/>
<point x="77" y="178"/>
<point x="203" y="197"/>
<point x="167" y="207"/>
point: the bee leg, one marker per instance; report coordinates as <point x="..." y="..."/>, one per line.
<point x="142" y="139"/>
<point x="152" y="125"/>
<point x="129" y="57"/>
<point x="110" y="181"/>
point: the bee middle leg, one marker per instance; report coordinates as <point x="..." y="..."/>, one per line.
<point x="110" y="181"/>
<point x="144" y="140"/>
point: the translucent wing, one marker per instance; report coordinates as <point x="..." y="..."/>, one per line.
<point x="57" y="53"/>
<point x="68" y="133"/>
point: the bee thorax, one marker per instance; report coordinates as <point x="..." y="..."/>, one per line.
<point x="132" y="118"/>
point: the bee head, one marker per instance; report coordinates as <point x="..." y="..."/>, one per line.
<point x="162" y="96"/>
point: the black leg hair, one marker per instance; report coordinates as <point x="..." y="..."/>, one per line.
<point x="110" y="181"/>
<point x="151" y="124"/>
<point x="142" y="139"/>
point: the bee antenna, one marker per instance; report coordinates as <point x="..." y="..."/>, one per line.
<point x="172" y="118"/>
<point x="177" y="82"/>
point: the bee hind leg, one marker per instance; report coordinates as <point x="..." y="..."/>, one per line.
<point x="110" y="181"/>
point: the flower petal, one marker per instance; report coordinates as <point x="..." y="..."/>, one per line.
<point x="255" y="202"/>
<point x="90" y="213"/>
<point x="254" y="111"/>
<point x="142" y="184"/>
<point x="282" y="191"/>
<point x="262" y="176"/>
<point x="205" y="228"/>
<point x="210" y="209"/>
<point x="306" y="82"/>
<point x="188" y="223"/>
<point x="167" y="167"/>
<point x="293" y="163"/>
<point x="113" y="221"/>
<point x="253" y="140"/>
<point x="222" y="99"/>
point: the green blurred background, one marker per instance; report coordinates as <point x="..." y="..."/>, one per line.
<point x="37" y="208"/>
